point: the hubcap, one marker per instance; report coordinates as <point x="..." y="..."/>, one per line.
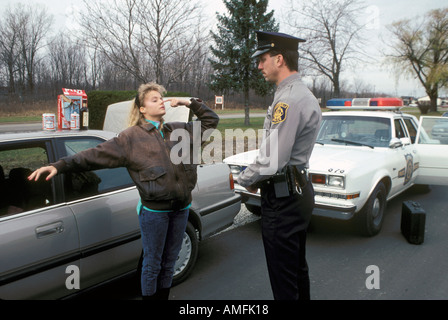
<point x="376" y="211"/>
<point x="184" y="255"/>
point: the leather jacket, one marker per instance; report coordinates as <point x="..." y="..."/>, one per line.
<point x="162" y="183"/>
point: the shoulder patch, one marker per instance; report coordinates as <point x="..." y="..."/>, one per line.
<point x="280" y="111"/>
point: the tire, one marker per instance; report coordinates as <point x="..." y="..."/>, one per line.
<point x="187" y="256"/>
<point x="371" y="217"/>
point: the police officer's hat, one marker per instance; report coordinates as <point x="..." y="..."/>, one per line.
<point x="275" y="41"/>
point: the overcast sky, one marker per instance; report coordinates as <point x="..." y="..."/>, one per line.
<point x="376" y="74"/>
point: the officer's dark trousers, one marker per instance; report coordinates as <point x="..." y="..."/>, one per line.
<point x="284" y="224"/>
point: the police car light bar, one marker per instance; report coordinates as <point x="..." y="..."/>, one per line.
<point x="366" y="104"/>
<point x="371" y="108"/>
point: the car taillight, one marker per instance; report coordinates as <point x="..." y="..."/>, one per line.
<point x="318" y="178"/>
<point x="232" y="183"/>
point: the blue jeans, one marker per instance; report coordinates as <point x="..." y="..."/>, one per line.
<point x="162" y="236"/>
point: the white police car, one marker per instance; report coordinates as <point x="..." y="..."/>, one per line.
<point x="362" y="159"/>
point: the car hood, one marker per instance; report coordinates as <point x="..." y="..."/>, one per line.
<point x="323" y="158"/>
<point x="116" y="119"/>
<point x="242" y="159"/>
<point x="344" y="158"/>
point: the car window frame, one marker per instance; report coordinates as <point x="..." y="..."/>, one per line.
<point x="414" y="125"/>
<point x="403" y="128"/>
<point x="48" y="144"/>
<point x="61" y="152"/>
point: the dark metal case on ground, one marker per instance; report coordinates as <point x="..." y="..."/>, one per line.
<point x="413" y="219"/>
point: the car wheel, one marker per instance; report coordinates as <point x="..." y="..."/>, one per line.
<point x="187" y="255"/>
<point x="370" y="218"/>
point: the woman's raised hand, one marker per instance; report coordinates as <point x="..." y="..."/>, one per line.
<point x="175" y="102"/>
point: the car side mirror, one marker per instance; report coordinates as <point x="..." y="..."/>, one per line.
<point x="395" y="143"/>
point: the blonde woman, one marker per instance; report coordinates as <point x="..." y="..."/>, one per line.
<point x="164" y="187"/>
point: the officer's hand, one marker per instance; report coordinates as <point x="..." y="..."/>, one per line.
<point x="178" y="102"/>
<point x="52" y="171"/>
<point x="252" y="189"/>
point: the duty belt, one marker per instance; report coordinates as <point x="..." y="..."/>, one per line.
<point x="290" y="180"/>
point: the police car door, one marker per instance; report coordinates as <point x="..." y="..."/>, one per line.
<point x="404" y="159"/>
<point x="432" y="147"/>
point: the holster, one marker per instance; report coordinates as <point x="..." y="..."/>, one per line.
<point x="299" y="178"/>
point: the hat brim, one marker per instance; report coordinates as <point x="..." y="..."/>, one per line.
<point x="259" y="53"/>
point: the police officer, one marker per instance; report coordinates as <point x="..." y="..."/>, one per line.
<point x="280" y="169"/>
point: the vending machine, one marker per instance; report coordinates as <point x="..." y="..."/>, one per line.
<point x="72" y="110"/>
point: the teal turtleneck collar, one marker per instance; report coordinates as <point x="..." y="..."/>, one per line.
<point x="154" y="123"/>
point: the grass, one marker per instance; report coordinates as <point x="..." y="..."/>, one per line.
<point x="244" y="140"/>
<point x="255" y="123"/>
<point x="13" y="119"/>
<point x="238" y="111"/>
<point x="25" y="112"/>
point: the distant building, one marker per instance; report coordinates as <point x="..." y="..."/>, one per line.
<point x="426" y="100"/>
<point x="407" y="100"/>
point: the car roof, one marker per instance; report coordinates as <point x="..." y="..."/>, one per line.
<point x="37" y="135"/>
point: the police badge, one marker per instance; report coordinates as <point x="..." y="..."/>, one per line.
<point x="280" y="110"/>
<point x="409" y="168"/>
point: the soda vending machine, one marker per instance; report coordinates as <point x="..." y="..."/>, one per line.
<point x="72" y="110"/>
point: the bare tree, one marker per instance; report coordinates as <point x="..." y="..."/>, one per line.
<point x="33" y="24"/>
<point x="96" y="67"/>
<point x="189" y="67"/>
<point x="143" y="37"/>
<point x="421" y="49"/>
<point x="333" y="34"/>
<point x="201" y="68"/>
<point x="112" y="28"/>
<point x="22" y="35"/>
<point x="9" y="48"/>
<point x="128" y="42"/>
<point x="167" y="27"/>
<point x="362" y="89"/>
<point x="67" y="60"/>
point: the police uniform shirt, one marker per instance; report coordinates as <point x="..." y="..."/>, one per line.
<point x="289" y="132"/>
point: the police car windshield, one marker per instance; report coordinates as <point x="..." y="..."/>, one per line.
<point x="355" y="131"/>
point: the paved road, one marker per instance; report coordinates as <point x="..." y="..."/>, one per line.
<point x="17" y="127"/>
<point x="231" y="265"/>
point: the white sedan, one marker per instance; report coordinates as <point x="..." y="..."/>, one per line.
<point x="361" y="160"/>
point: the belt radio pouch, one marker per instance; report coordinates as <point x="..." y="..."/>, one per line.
<point x="291" y="180"/>
<point x="281" y="186"/>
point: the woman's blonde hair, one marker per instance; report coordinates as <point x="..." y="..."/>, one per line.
<point x="135" y="116"/>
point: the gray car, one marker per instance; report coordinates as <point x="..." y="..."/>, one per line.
<point x="79" y="230"/>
